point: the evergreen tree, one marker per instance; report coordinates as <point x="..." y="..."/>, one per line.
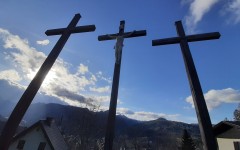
<point x="236" y="113"/>
<point x="187" y="142"/>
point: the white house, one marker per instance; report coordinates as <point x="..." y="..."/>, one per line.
<point x="228" y="135"/>
<point x="43" y="135"/>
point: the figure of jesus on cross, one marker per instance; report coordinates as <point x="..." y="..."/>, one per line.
<point x="114" y="95"/>
<point x="118" y="48"/>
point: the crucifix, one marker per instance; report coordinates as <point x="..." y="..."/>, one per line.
<point x="27" y="97"/>
<point x="205" y="125"/>
<point x="120" y="36"/>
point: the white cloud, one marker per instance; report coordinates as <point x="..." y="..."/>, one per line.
<point x="184" y="2"/>
<point x="100" y="76"/>
<point x="82" y="69"/>
<point x="28" y="61"/>
<point x="27" y="58"/>
<point x="198" y="8"/>
<point x="11" y="98"/>
<point x="43" y="42"/>
<point x="10" y="75"/>
<point x="101" y="99"/>
<point x="145" y="116"/>
<point x="215" y="98"/>
<point x="100" y="89"/>
<point x="234" y="9"/>
<point x="93" y="78"/>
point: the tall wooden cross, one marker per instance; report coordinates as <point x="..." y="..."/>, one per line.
<point x="208" y="138"/>
<point x="27" y="97"/>
<point x="120" y="36"/>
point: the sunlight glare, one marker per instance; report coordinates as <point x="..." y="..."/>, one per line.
<point x="51" y="76"/>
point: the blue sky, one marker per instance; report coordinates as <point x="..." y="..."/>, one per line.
<point x="153" y="80"/>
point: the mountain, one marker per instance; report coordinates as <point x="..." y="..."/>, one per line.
<point x="162" y="126"/>
<point x="2" y="122"/>
<point x="74" y="119"/>
<point x="84" y="125"/>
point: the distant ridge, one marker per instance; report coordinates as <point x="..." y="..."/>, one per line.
<point x="81" y="122"/>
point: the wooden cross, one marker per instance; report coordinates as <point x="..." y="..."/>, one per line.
<point x="205" y="125"/>
<point x="114" y="94"/>
<point x="27" y="97"/>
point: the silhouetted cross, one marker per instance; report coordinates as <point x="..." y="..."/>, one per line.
<point x="208" y="138"/>
<point x="114" y="95"/>
<point x="27" y="97"/>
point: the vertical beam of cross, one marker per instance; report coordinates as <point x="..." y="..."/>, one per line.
<point x="120" y="36"/>
<point x="27" y="97"/>
<point x="205" y="125"/>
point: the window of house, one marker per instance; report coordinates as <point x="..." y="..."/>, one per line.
<point x="236" y="145"/>
<point x="42" y="145"/>
<point x="20" y="144"/>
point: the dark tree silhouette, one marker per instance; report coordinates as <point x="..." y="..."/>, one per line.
<point x="187" y="142"/>
<point x="236" y="113"/>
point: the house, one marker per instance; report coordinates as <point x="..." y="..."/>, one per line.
<point x="228" y="135"/>
<point x="43" y="135"/>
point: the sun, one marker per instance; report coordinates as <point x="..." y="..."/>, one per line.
<point x="50" y="77"/>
